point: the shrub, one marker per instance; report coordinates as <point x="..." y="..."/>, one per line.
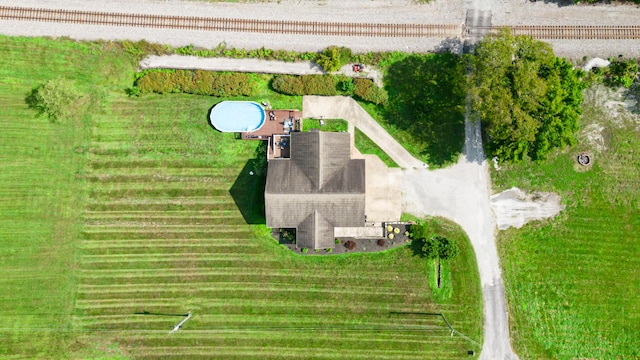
<point x="155" y="81"/>
<point x="305" y="250"/>
<point x="328" y="250"/>
<point x="329" y="59"/>
<point x="366" y="90"/>
<point x="346" y="86"/>
<point x="196" y="82"/>
<point x="621" y="72"/>
<point x="382" y="242"/>
<point x="305" y="85"/>
<point x="337" y="241"/>
<point x="288" y="84"/>
<point x="57" y="99"/>
<point x="133" y="91"/>
<point x="319" y="85"/>
<point x="350" y="245"/>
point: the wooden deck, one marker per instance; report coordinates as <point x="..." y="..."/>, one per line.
<point x="276" y="130"/>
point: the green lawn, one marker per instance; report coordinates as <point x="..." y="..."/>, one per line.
<point x="572" y="282"/>
<point x="367" y="146"/>
<point x="141" y="206"/>
<point x="333" y="125"/>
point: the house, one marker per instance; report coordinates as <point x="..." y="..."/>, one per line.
<point x="320" y="187"/>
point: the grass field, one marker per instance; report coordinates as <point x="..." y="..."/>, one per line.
<point x="572" y="282"/>
<point x="139" y="211"/>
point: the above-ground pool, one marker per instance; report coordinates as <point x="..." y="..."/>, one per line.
<point x="237" y="116"/>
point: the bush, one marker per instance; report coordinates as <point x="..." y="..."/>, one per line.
<point x="305" y="85"/>
<point x="329" y="59"/>
<point x="346" y="86"/>
<point x="288" y="84"/>
<point x="350" y="245"/>
<point x="329" y="250"/>
<point x="337" y="241"/>
<point x="157" y="81"/>
<point x="319" y="85"/>
<point x="621" y="72"/>
<point x="57" y="99"/>
<point x="382" y="242"/>
<point x="366" y="90"/>
<point x="196" y="82"/>
<point x="305" y="250"/>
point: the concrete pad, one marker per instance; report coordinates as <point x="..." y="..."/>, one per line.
<point x="359" y="232"/>
<point x="383" y="197"/>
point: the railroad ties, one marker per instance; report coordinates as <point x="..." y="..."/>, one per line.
<point x="621" y="32"/>
<point x="232" y="25"/>
<point x="576" y="32"/>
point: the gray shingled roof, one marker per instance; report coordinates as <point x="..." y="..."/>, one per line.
<point x="319" y="188"/>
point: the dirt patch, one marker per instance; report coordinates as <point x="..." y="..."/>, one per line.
<point x="593" y="134"/>
<point x="515" y="208"/>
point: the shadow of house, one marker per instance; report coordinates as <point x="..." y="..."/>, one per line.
<point x="248" y="191"/>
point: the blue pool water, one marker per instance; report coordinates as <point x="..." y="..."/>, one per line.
<point x="237" y="116"/>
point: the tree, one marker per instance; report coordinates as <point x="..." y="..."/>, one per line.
<point x="57" y="99"/>
<point x="330" y="59"/>
<point x="431" y="248"/>
<point x="527" y="99"/>
<point x="439" y="247"/>
<point x="447" y="249"/>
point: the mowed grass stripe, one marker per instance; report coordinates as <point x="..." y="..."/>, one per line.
<point x="150" y="164"/>
<point x="331" y="350"/>
<point x="178" y="224"/>
<point x="374" y="321"/>
<point x="179" y="218"/>
<point x="145" y="277"/>
<point x="156" y="193"/>
<point x="121" y="178"/>
<point x="162" y="245"/>
<point x="100" y="307"/>
<point x="211" y="204"/>
<point x="221" y="232"/>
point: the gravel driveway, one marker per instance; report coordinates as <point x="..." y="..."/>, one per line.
<point x="460" y="193"/>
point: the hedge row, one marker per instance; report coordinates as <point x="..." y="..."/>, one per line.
<point x="305" y="84"/>
<point x="366" y="90"/>
<point x="198" y="82"/>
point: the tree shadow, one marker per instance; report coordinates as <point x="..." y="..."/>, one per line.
<point x="248" y="189"/>
<point x="427" y="101"/>
<point x="450" y="45"/>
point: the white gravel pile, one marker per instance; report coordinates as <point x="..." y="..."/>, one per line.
<point x="596" y="62"/>
<point x="515" y="208"/>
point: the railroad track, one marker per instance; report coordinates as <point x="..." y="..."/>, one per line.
<point x="231" y="25"/>
<point x="576" y="32"/>
<point x="311" y="27"/>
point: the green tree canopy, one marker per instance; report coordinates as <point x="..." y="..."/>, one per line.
<point x="56" y="99"/>
<point x="527" y="98"/>
<point x="333" y="57"/>
<point x="432" y="246"/>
